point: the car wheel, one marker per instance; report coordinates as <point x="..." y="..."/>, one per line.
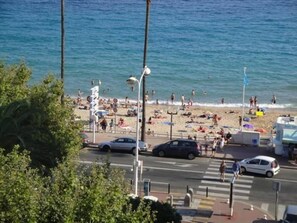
<point x="242" y="169"/>
<point x="106" y="148"/>
<point x="191" y="156"/>
<point x="161" y="153"/>
<point x="269" y="174"/>
<point x="134" y="151"/>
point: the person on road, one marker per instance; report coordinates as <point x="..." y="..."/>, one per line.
<point x="222" y="170"/>
<point x="236" y="169"/>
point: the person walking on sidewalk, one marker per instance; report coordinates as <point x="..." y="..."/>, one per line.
<point x="222" y="143"/>
<point x="222" y="170"/>
<point x="236" y="169"/>
<point x="214" y="147"/>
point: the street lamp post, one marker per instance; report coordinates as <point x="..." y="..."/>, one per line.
<point x="131" y="81"/>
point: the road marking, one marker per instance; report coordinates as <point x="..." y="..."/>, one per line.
<point x="166" y="162"/>
<point x="147" y="167"/>
<point x="225" y="183"/>
<point x="264" y="206"/>
<point x="283" y="180"/>
<point x="212" y="194"/>
<point x="224" y="189"/>
<point x="237" y="180"/>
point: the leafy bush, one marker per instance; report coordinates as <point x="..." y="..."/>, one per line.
<point x="163" y="212"/>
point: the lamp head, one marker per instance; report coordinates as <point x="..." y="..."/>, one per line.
<point x="146" y="71"/>
<point x="131" y="81"/>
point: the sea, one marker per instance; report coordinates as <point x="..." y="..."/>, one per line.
<point x="203" y="45"/>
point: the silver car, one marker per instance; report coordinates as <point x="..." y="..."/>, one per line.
<point x="125" y="144"/>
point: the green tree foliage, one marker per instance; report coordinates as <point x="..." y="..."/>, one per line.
<point x="20" y="188"/>
<point x="13" y="82"/>
<point x="163" y="212"/>
<point x="96" y="194"/>
<point x="34" y="118"/>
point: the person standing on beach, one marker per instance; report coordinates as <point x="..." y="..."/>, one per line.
<point x="273" y="100"/>
<point x="255" y="101"/>
<point x="239" y="120"/>
<point x="193" y="94"/>
<point x="182" y="99"/>
<point x="172" y="97"/>
<point x="222" y="170"/>
<point x="251" y="102"/>
<point x="111" y="125"/>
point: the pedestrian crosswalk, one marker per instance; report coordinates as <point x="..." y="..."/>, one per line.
<point x="214" y="187"/>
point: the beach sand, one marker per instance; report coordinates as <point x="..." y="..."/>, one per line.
<point x="184" y="124"/>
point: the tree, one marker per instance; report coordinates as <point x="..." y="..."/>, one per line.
<point x="92" y="194"/>
<point x="13" y="82"/>
<point x="34" y="118"/>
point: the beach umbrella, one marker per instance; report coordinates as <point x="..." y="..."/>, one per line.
<point x="101" y="113"/>
<point x="248" y="126"/>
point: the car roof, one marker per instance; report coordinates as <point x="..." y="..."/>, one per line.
<point x="190" y="140"/>
<point x="292" y="209"/>
<point x="268" y="158"/>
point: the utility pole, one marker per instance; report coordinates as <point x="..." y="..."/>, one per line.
<point x="143" y="121"/>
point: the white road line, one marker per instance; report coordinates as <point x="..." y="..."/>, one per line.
<point x="211" y="194"/>
<point x="219" y="161"/>
<point x="217" y="171"/>
<point x="236" y="181"/>
<point x="224" y="189"/>
<point x="147" y="167"/>
<point x="265" y="206"/>
<point x="224" y="183"/>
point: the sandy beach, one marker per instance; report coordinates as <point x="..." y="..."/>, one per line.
<point x="193" y="120"/>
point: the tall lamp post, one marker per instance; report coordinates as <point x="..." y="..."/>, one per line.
<point x="131" y="81"/>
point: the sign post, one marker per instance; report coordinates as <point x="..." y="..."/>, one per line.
<point x="231" y="197"/>
<point x="276" y="187"/>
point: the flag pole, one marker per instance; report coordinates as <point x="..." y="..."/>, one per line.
<point x="243" y="95"/>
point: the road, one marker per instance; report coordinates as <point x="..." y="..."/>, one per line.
<point x="202" y="174"/>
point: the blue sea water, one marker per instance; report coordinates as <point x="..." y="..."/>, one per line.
<point x="193" y="44"/>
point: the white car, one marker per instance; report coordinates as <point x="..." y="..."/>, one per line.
<point x="125" y="144"/>
<point x="260" y="164"/>
<point x="290" y="214"/>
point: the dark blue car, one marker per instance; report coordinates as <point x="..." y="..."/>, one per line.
<point x="184" y="148"/>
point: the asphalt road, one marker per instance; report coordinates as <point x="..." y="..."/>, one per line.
<point x="202" y="174"/>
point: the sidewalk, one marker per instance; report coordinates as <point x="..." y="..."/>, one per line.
<point x="216" y="210"/>
<point x="230" y="152"/>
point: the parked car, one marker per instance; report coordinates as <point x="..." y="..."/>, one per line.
<point x="260" y="164"/>
<point x="290" y="214"/>
<point x="184" y="148"/>
<point x="85" y="139"/>
<point x="125" y="144"/>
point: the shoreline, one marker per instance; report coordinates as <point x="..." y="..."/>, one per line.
<point x="194" y="118"/>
